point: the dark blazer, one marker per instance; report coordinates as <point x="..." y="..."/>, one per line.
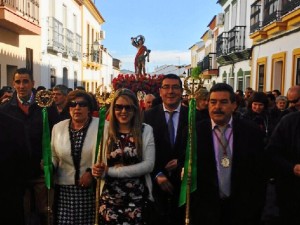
<point x="14" y="155"/>
<point x="164" y="152"/>
<point x="247" y="179"/>
<point x="34" y="129"/>
<point x="284" y="151"/>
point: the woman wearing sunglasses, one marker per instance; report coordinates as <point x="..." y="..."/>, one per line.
<point x="73" y="148"/>
<point x="128" y="159"/>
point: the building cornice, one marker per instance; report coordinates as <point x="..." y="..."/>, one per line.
<point x="93" y="10"/>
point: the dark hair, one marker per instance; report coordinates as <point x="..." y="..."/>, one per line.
<point x="223" y="87"/>
<point x="23" y="71"/>
<point x="240" y="92"/>
<point x="80" y="88"/>
<point x="79" y="93"/>
<point x="172" y="76"/>
<point x="271" y="97"/>
<point x="41" y="88"/>
<point x="62" y="88"/>
<point x="277" y="92"/>
<point x="258" y="97"/>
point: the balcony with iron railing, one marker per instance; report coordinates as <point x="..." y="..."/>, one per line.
<point x="271" y="11"/>
<point x="77" y="52"/>
<point x="68" y="42"/>
<point x="255" y="22"/>
<point x="209" y="65"/>
<point x="288" y="6"/>
<point x="20" y="16"/>
<point x="55" y="35"/>
<point x="222" y="46"/>
<point x="236" y="39"/>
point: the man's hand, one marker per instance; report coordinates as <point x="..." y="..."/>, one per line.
<point x="164" y="183"/>
<point x="171" y="165"/>
<point x="297" y="170"/>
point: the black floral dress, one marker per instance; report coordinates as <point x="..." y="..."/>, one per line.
<point x="121" y="200"/>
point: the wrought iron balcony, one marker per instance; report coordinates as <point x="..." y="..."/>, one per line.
<point x="68" y="42"/>
<point x="222" y="44"/>
<point x="271" y="11"/>
<point x="289" y="5"/>
<point x="20" y="16"/>
<point x="77" y="52"/>
<point x="236" y="39"/>
<point x="255" y="22"/>
<point x="55" y="35"/>
<point x="208" y="62"/>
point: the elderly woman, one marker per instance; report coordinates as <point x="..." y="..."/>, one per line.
<point x="73" y="145"/>
<point x="281" y="102"/>
<point x="128" y="159"/>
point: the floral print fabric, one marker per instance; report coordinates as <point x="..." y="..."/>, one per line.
<point x="122" y="198"/>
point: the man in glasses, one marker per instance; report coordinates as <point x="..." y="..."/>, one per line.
<point x="23" y="106"/>
<point x="168" y="121"/>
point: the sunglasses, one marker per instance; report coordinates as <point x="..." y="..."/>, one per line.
<point x="119" y="107"/>
<point x="81" y="104"/>
<point x="294" y="101"/>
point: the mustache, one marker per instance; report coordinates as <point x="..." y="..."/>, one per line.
<point x="218" y="112"/>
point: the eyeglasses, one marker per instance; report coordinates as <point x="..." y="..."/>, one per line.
<point x="168" y="87"/>
<point x="81" y="104"/>
<point x="119" y="107"/>
<point x="294" y="101"/>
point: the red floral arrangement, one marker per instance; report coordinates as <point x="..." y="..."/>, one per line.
<point x="150" y="84"/>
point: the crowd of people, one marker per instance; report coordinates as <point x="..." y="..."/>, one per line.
<point x="248" y="156"/>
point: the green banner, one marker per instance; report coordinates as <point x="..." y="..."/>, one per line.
<point x="47" y="154"/>
<point x="102" y="114"/>
<point x="190" y="156"/>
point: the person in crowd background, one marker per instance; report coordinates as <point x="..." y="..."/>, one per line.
<point x="293" y="96"/>
<point x="148" y="101"/>
<point x="248" y="93"/>
<point x="58" y="110"/>
<point x="202" y="104"/>
<point x="128" y="158"/>
<point x="230" y="157"/>
<point x="168" y="120"/>
<point x="281" y="102"/>
<point x="5" y="94"/>
<point x="73" y="145"/>
<point x="276" y="93"/>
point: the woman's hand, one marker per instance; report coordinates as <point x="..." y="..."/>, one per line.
<point x="99" y="170"/>
<point x="86" y="179"/>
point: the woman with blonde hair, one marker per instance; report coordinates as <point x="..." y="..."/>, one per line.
<point x="128" y="158"/>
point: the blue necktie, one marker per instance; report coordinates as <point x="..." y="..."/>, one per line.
<point x="171" y="127"/>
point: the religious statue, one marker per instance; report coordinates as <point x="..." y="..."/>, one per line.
<point x="141" y="55"/>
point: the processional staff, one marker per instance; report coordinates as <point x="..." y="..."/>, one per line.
<point x="102" y="99"/>
<point x="189" y="181"/>
<point x="44" y="99"/>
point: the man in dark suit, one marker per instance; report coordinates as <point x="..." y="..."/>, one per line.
<point x="14" y="155"/>
<point x="230" y="181"/>
<point x="169" y="148"/>
<point x="284" y="151"/>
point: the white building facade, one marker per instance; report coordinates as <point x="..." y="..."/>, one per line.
<point x="234" y="44"/>
<point x="275" y="30"/>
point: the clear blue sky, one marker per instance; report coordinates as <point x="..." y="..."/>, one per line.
<point x="170" y="28"/>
